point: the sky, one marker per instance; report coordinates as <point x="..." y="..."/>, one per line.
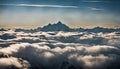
<point x="29" y="14"/>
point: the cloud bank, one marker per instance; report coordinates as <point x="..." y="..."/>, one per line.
<point x="60" y="50"/>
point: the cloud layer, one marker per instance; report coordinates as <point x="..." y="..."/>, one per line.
<point x="60" y="50"/>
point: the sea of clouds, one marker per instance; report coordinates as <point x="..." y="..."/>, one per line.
<point x="59" y="50"/>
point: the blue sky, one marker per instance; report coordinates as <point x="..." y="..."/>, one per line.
<point x="75" y="13"/>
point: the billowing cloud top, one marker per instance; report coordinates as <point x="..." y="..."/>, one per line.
<point x="59" y="50"/>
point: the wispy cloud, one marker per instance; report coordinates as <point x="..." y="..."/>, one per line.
<point x="95" y="9"/>
<point x="95" y="1"/>
<point x="39" y="5"/>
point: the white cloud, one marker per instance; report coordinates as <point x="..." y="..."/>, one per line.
<point x="38" y="5"/>
<point x="95" y="9"/>
<point x="13" y="62"/>
<point x="95" y="1"/>
<point x="51" y="53"/>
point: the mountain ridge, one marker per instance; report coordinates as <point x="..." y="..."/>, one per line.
<point x="59" y="26"/>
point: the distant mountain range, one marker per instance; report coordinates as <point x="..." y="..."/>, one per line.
<point x="59" y="26"/>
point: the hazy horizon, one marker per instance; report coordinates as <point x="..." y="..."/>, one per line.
<point x="29" y="14"/>
<point x="35" y="26"/>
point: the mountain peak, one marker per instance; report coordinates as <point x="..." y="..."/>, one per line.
<point x="59" y="22"/>
<point x="59" y="26"/>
